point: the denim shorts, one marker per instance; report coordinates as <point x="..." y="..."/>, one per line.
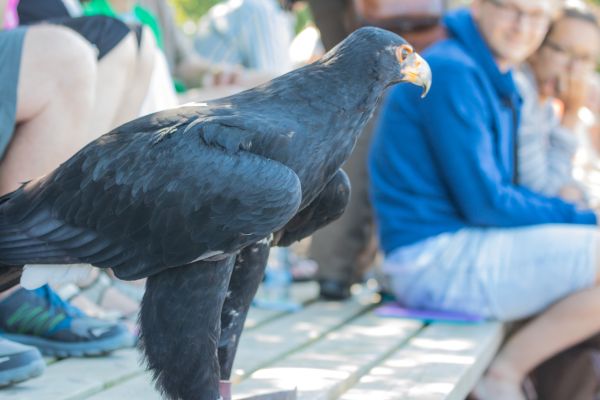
<point x="11" y="45"/>
<point x="496" y="273"/>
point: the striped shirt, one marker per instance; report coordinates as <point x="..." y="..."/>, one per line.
<point x="255" y="34"/>
<point x="546" y="148"/>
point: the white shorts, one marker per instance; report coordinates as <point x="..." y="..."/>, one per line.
<point x="497" y="273"/>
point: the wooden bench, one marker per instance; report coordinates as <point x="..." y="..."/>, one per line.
<point x="328" y="350"/>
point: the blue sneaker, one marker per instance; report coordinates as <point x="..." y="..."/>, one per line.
<point x="19" y="363"/>
<point x="42" y="319"/>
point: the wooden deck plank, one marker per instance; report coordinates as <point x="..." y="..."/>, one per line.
<point x="302" y="292"/>
<point x="140" y="387"/>
<point x="78" y="378"/>
<point x="331" y="365"/>
<point x="273" y="341"/>
<point x="62" y="379"/>
<point x="327" y="350"/>
<point x="443" y="362"/>
<point x="262" y="345"/>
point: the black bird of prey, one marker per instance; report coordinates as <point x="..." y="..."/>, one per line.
<point x="194" y="197"/>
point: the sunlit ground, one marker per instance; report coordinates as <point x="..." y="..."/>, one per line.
<point x="337" y="364"/>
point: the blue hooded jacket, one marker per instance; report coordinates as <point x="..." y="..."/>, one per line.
<point x="446" y="162"/>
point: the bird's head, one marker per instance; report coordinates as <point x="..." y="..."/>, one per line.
<point x="395" y="58"/>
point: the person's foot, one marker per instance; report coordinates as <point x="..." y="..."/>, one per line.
<point x="18" y="362"/>
<point x="110" y="295"/>
<point x="303" y="269"/>
<point x="499" y="384"/>
<point x="332" y="289"/>
<point x="42" y="319"/>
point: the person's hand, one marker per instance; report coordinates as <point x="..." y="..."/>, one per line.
<point x="235" y="75"/>
<point x="593" y="94"/>
<point x="222" y="75"/>
<point x="197" y="71"/>
<point x="571" y="193"/>
<point x="573" y="92"/>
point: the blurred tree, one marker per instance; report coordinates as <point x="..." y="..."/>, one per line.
<point x="191" y="9"/>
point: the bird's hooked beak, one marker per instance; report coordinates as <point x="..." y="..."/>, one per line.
<point x="414" y="68"/>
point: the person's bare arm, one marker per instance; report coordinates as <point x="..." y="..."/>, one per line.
<point x="122" y="6"/>
<point x="196" y="71"/>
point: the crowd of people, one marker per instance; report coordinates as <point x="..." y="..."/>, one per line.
<point x="476" y="207"/>
<point x="470" y="192"/>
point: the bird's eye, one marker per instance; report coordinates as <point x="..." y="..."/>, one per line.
<point x="403" y="52"/>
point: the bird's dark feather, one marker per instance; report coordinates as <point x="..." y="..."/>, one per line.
<point x="139" y="207"/>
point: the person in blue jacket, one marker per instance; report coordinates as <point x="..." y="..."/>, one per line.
<point x="457" y="232"/>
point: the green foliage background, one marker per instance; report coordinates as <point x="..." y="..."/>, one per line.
<point x="192" y="10"/>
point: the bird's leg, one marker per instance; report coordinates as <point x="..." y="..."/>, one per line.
<point x="328" y="206"/>
<point x="247" y="274"/>
<point x="181" y="324"/>
<point x="251" y="263"/>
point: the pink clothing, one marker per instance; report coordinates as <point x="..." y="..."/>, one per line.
<point x="11" y="18"/>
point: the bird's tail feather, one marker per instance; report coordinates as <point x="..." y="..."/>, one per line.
<point x="29" y="234"/>
<point x="180" y="321"/>
<point x="9" y="274"/>
<point x="19" y="245"/>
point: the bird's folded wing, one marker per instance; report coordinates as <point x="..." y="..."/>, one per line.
<point x="139" y="205"/>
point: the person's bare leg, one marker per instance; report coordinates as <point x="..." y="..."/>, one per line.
<point x="568" y="322"/>
<point x="115" y="70"/>
<point x="54" y="104"/>
<point x="139" y="80"/>
<point x="129" y="108"/>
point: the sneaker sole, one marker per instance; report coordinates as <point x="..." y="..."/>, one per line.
<point x="26" y="372"/>
<point x="80" y="349"/>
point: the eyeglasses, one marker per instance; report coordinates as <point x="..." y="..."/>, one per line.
<point x="513" y="13"/>
<point x="587" y="59"/>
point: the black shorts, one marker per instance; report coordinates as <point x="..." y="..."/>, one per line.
<point x="103" y="32"/>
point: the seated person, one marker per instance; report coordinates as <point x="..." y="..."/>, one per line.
<point x="125" y="57"/>
<point x="126" y="63"/>
<point x="458" y="232"/>
<point x="346" y="248"/>
<point x="45" y="117"/>
<point x="559" y="71"/>
<point x="198" y="78"/>
<point x="254" y="34"/>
